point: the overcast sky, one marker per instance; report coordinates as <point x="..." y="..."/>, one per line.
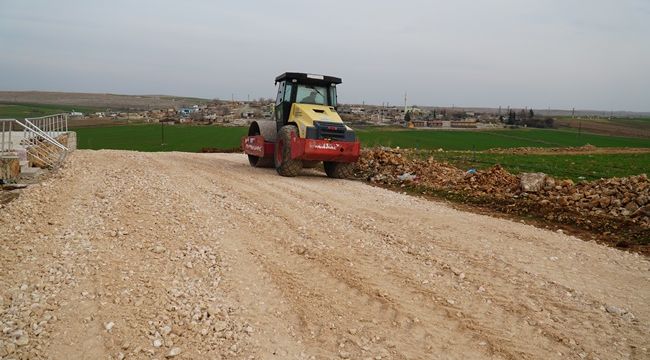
<point x="588" y="54"/>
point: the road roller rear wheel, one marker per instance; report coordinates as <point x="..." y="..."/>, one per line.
<point x="268" y="130"/>
<point x="283" y="162"/>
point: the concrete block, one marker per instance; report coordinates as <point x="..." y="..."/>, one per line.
<point x="9" y="167"/>
<point x="22" y="154"/>
<point x="532" y="182"/>
<point x="72" y="140"/>
<point x="69" y="140"/>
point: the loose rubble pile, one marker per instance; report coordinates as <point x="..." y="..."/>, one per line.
<point x="393" y="166"/>
<point x="625" y="199"/>
<point x="619" y="197"/>
<point x="397" y="167"/>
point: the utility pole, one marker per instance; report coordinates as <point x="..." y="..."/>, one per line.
<point x="162" y="133"/>
<point x="573" y="116"/>
<point x="579" y="127"/>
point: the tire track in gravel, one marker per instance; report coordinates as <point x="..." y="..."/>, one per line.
<point x="315" y="301"/>
<point x="245" y="282"/>
<point x="340" y="264"/>
<point x="562" y="310"/>
<point x="553" y="336"/>
<point x="241" y="263"/>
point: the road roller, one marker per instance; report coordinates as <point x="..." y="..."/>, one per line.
<point x="305" y="129"/>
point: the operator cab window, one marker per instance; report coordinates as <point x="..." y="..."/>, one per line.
<point x="287" y="92"/>
<point x="308" y="94"/>
<point x="333" y="96"/>
<point x="278" y="99"/>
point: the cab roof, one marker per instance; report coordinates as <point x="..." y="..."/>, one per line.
<point x="304" y="78"/>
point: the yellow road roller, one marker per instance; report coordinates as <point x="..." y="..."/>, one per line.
<point x="306" y="129"/>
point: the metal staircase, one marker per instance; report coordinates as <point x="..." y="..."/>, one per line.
<point x="42" y="139"/>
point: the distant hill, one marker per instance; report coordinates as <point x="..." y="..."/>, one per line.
<point x="563" y="112"/>
<point x="542" y="112"/>
<point x="94" y="100"/>
<point x="145" y="102"/>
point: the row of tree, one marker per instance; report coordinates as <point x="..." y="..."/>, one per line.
<point x="528" y="118"/>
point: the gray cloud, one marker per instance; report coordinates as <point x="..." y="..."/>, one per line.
<point x="587" y="54"/>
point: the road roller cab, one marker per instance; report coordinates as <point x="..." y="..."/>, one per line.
<point x="306" y="129"/>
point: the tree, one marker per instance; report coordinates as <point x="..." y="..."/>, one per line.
<point x="549" y="122"/>
<point x="523" y="115"/>
<point x="407" y="116"/>
<point x="512" y="118"/>
<point x="531" y="114"/>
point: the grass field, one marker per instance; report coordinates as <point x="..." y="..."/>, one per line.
<point x="193" y="138"/>
<point x="149" y="137"/>
<point x="577" y="167"/>
<point x="483" y="140"/>
<point x="21" y="111"/>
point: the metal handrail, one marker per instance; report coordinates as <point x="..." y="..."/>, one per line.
<point x="51" y="124"/>
<point x="34" y="138"/>
<point x="5" y="140"/>
<point x="37" y="131"/>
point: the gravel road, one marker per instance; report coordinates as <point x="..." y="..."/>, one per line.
<point x="198" y="256"/>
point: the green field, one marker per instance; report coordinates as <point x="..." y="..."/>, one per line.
<point x="577" y="167"/>
<point x="193" y="138"/>
<point x="21" y="111"/>
<point x="149" y="137"/>
<point x="483" y="140"/>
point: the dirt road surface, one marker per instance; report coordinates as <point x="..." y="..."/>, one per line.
<point x="198" y="256"/>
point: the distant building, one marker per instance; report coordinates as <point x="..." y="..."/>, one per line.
<point x="185" y="111"/>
